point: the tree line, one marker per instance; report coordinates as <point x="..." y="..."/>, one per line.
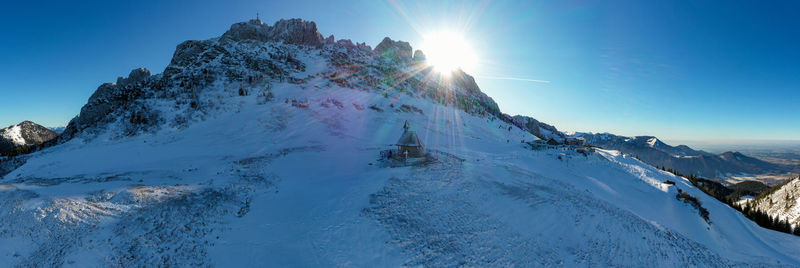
<point x="26" y="149"/>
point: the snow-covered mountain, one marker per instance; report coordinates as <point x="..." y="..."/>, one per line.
<point x="685" y="160"/>
<point x="58" y="129"/>
<point x="781" y="202"/>
<point x="263" y="147"/>
<point x="25" y="133"/>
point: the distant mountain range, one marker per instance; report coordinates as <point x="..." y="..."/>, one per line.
<point x="25" y="133"/>
<point x="58" y="129"/>
<point x="655" y="152"/>
<point x="682" y="158"/>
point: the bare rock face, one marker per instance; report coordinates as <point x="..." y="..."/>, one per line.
<point x="346" y="43"/>
<point x="136" y="76"/>
<point x="539" y="129"/>
<point x="292" y="31"/>
<point x="419" y="55"/>
<point x="106" y="98"/>
<point x="297" y="31"/>
<point x="251" y="30"/>
<point x="399" y="50"/>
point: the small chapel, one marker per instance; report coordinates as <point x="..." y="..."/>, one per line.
<point x="409" y="144"/>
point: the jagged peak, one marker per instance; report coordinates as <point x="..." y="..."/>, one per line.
<point x="136" y="75"/>
<point x="291" y="31"/>
<point x="396" y="49"/>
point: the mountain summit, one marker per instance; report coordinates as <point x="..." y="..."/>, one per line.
<point x="248" y="60"/>
<point x="25" y="133"/>
<point x="293" y="31"/>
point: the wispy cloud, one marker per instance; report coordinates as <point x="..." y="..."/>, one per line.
<point x="513" y="78"/>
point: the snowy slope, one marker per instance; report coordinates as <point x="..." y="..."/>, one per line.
<point x="296" y="180"/>
<point x="13" y="134"/>
<point x="781" y="203"/>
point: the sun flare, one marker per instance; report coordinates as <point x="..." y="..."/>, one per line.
<point x="448" y="51"/>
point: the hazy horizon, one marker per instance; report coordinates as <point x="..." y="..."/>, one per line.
<point x="719" y="146"/>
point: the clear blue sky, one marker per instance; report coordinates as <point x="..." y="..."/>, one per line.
<point x="674" y="69"/>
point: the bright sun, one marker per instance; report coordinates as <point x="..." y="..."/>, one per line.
<point x="448" y="51"/>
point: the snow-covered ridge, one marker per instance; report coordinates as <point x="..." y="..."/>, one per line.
<point x="25" y="133"/>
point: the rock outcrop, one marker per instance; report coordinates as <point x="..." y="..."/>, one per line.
<point x="539" y="129"/>
<point x="292" y="31"/>
<point x="419" y="55"/>
<point x="398" y="50"/>
<point x="136" y="76"/>
<point x="108" y="98"/>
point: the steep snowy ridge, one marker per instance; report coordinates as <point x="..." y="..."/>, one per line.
<point x="263" y="148"/>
